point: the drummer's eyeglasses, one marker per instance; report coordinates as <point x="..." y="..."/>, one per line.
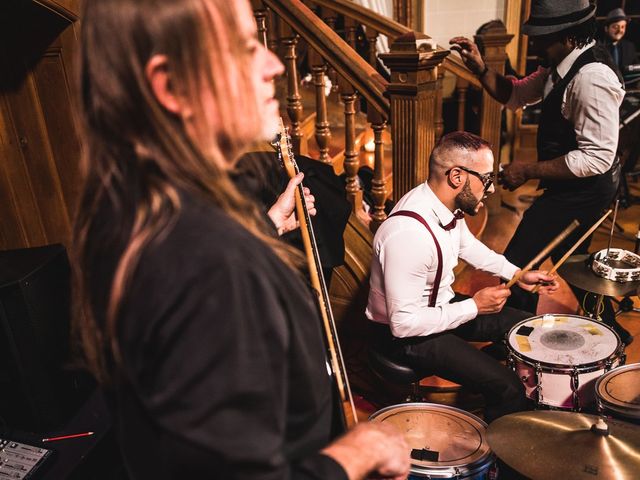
<point x="485" y="178"/>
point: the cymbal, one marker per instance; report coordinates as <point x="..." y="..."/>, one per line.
<point x="552" y="444"/>
<point x="577" y="273"/>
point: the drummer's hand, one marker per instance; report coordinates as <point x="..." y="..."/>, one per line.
<point x="491" y="299"/>
<point x="372" y="450"/>
<point x="281" y="213"/>
<point x="513" y="175"/>
<point x="547" y="284"/>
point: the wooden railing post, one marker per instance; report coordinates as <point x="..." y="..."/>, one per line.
<point x="494" y="42"/>
<point x="461" y="88"/>
<point x="412" y="92"/>
<point x="439" y="118"/>
<point x="323" y="132"/>
<point x="294" y="100"/>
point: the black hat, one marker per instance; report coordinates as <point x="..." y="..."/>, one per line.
<point x="551" y="16"/>
<point x="615" y="15"/>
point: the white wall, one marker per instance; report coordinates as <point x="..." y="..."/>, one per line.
<point x="448" y="18"/>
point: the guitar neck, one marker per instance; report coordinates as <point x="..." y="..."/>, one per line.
<point x="318" y="283"/>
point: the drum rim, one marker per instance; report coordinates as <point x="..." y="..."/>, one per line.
<point x="551" y="367"/>
<point x="612" y="404"/>
<point x="472" y="468"/>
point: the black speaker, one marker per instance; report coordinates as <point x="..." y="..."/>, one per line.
<point x="37" y="390"/>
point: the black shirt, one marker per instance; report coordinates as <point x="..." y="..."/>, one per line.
<point x="224" y="366"/>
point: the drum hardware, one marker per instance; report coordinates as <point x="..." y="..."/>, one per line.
<point x="553" y="444"/>
<point x="577" y="273"/>
<point x="618" y="393"/>
<point x="446" y="442"/>
<point x="559" y="357"/>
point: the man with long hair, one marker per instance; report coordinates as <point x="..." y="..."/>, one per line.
<point x="577" y="132"/>
<point x="190" y="310"/>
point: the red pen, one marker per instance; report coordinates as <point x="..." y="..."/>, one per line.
<point x="65" y="437"/>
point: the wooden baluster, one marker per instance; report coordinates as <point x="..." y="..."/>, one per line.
<point x="412" y="91"/>
<point x="294" y="100"/>
<point x="379" y="182"/>
<point x="351" y="160"/>
<point x="272" y="30"/>
<point x="494" y="41"/>
<point x="323" y="133"/>
<point x="350" y="28"/>
<point x="462" y="86"/>
<point x="261" y="22"/>
<point x="439" y="124"/>
<point x="331" y="18"/>
<point x="371" y="36"/>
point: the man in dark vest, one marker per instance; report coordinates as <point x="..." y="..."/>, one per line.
<point x="577" y="133"/>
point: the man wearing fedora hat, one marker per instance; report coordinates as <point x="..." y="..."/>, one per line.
<point x="577" y="138"/>
<point x="622" y="50"/>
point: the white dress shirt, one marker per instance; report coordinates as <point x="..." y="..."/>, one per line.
<point x="404" y="266"/>
<point x="591" y="102"/>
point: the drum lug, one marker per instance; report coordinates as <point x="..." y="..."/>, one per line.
<point x="511" y="361"/>
<point x="538" y="368"/>
<point x="575" y="385"/>
<point x="607" y="365"/>
<point x="457" y="473"/>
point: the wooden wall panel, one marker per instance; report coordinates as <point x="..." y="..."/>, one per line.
<point x="39" y="147"/>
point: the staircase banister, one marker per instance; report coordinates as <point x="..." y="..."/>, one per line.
<point x="392" y="29"/>
<point x="365" y="16"/>
<point x="454" y="65"/>
<point x="364" y="78"/>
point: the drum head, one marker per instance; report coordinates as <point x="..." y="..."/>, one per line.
<point x="563" y="340"/>
<point x="445" y="438"/>
<point x="619" y="390"/>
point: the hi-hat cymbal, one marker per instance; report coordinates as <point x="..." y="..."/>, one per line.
<point x="551" y="444"/>
<point x="577" y="273"/>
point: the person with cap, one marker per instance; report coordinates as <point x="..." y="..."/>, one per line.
<point x="577" y="138"/>
<point x="623" y="52"/>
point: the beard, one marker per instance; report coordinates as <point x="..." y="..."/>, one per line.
<point x="466" y="200"/>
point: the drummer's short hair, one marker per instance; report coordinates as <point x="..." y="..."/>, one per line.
<point x="440" y="162"/>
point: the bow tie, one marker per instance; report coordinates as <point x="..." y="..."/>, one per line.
<point x="457" y="215"/>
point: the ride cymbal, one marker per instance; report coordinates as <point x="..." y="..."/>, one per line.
<point x="552" y="444"/>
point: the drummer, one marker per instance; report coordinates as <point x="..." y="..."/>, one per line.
<point x="415" y="314"/>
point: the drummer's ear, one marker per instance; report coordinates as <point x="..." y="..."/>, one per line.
<point x="455" y="177"/>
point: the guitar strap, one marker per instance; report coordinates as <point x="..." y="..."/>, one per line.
<point x="436" y="281"/>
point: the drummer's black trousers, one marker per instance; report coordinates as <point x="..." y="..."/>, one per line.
<point x="549" y="215"/>
<point x="449" y="356"/>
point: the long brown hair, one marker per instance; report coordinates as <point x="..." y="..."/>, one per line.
<point x="137" y="155"/>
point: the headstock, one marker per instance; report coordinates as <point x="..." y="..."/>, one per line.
<point x="285" y="150"/>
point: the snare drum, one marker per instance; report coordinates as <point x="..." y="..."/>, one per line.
<point x="445" y="442"/>
<point x="618" y="393"/>
<point x="559" y="358"/>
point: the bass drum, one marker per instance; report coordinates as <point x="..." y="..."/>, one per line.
<point x="618" y="393"/>
<point x="445" y="442"/>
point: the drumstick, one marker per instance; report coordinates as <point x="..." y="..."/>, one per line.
<point x="545" y="251"/>
<point x="576" y="245"/>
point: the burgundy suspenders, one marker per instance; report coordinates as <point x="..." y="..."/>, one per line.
<point x="436" y="281"/>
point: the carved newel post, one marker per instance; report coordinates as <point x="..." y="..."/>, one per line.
<point x="493" y="43"/>
<point x="412" y="92"/>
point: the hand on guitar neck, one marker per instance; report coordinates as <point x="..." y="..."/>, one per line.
<point x="282" y="213"/>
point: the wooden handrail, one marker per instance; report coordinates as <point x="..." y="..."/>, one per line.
<point x="393" y="29"/>
<point x="365" y="79"/>
<point x="366" y="16"/>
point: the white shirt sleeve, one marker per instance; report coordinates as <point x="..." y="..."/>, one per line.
<point x="407" y="260"/>
<point x="591" y="102"/>
<point x="479" y="256"/>
<point x="527" y="90"/>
